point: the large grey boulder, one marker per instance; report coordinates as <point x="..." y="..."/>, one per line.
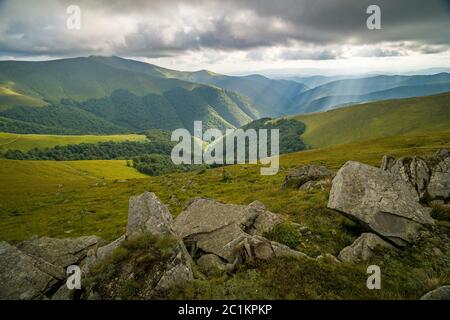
<point x="412" y="170"/>
<point x="207" y="215"/>
<point x="379" y="201"/>
<point x="296" y="178"/>
<point x="60" y="252"/>
<point x="146" y="214"/>
<point x="363" y="248"/>
<point x="25" y="277"/>
<point x="441" y="293"/>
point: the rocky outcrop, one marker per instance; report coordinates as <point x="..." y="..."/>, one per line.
<point x="441" y="293"/>
<point x="412" y="170"/>
<point x="298" y="177"/>
<point x="60" y="252"/>
<point x="380" y="201"/>
<point x="36" y="268"/>
<point x="205" y="215"/>
<point x="232" y="233"/>
<point x="430" y="177"/>
<point x="363" y="248"/>
<point x="26" y="277"/>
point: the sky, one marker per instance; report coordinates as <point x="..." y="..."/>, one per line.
<point x="236" y="36"/>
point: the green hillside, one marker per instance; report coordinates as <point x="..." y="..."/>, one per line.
<point x="25" y="142"/>
<point x="376" y="120"/>
<point x="108" y="95"/>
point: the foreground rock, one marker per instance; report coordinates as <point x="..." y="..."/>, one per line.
<point x="379" y="201"/>
<point x="26" y="277"/>
<point x="60" y="252"/>
<point x="233" y="233"/>
<point x="441" y="293"/>
<point x="206" y="215"/>
<point x="146" y="216"/>
<point x="363" y="248"/>
<point x="36" y="269"/>
<point x="298" y="177"/>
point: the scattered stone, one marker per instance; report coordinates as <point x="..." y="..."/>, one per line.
<point x="379" y="201"/>
<point x="298" y="177"/>
<point x="441" y="293"/>
<point x="362" y="248"/>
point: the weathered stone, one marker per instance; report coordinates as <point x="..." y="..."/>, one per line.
<point x="379" y="201"/>
<point x="212" y="265"/>
<point x="60" y="252"/>
<point x="146" y="214"/>
<point x="414" y="171"/>
<point x="178" y="272"/>
<point x="206" y="215"/>
<point x="362" y="248"/>
<point x="26" y="277"/>
<point x="264" y="221"/>
<point x="439" y="186"/>
<point x="282" y="250"/>
<point x="310" y="185"/>
<point x="218" y="241"/>
<point x="106" y="251"/>
<point x="297" y="177"/>
<point x="64" y="293"/>
<point x="441" y="293"/>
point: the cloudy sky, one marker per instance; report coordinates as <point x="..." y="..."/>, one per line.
<point x="237" y="36"/>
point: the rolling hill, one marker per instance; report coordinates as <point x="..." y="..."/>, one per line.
<point x="110" y="95"/>
<point x="346" y="91"/>
<point x="376" y="120"/>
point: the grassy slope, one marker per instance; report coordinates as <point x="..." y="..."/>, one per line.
<point x="64" y="199"/>
<point x="377" y="119"/>
<point x="24" y="142"/>
<point x="30" y="188"/>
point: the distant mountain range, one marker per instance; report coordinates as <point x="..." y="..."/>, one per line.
<point x="115" y="95"/>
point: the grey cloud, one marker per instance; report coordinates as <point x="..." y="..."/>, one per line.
<point x="225" y="25"/>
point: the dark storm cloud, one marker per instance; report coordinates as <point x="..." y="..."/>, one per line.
<point x="169" y="27"/>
